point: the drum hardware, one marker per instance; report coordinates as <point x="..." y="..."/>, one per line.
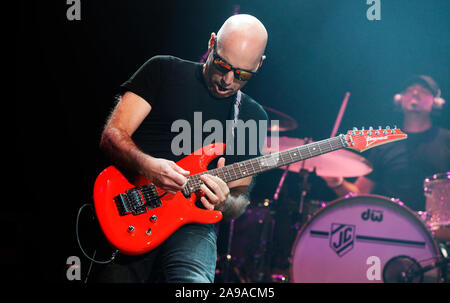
<point x="263" y="272"/>
<point x="443" y="247"/>
<point x="226" y="276"/>
<point x="437" y="205"/>
<point x="263" y="256"/>
<point x="404" y="269"/>
<point x="442" y="265"/>
<point x="247" y="249"/>
<point x="279" y="278"/>
<point x="304" y="186"/>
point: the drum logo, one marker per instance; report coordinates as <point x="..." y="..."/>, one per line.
<point x="372" y="214"/>
<point x="342" y="238"/>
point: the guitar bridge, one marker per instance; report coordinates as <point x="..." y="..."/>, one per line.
<point x="136" y="201"/>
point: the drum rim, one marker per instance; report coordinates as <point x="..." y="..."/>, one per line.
<point x="395" y="203"/>
<point x="437" y="176"/>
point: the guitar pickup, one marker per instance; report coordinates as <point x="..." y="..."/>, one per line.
<point x="151" y="196"/>
<point x="130" y="202"/>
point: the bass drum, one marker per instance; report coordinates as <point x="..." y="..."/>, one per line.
<point x="364" y="239"/>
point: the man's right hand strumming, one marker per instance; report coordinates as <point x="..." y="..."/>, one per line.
<point x="116" y="141"/>
<point x="165" y="174"/>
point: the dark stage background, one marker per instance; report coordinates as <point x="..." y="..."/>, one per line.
<point x="68" y="71"/>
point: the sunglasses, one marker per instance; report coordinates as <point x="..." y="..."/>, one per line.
<point x="224" y="67"/>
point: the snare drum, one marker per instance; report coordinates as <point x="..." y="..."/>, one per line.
<point x="358" y="239"/>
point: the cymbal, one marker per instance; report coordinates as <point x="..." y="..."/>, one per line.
<point x="286" y="122"/>
<point x="283" y="143"/>
<point x="339" y="163"/>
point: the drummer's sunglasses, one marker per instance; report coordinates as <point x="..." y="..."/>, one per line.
<point x="224" y="67"/>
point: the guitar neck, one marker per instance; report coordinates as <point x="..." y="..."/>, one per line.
<point x="267" y="162"/>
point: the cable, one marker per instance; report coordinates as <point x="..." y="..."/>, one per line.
<point x="79" y="244"/>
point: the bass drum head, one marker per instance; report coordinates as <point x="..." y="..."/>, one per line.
<point x="352" y="239"/>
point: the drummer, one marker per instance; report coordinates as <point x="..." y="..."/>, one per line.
<point x="399" y="169"/>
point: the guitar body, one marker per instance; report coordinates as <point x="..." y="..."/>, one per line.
<point x="135" y="234"/>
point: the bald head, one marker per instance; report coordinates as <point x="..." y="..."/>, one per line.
<point x="241" y="42"/>
<point x="243" y="36"/>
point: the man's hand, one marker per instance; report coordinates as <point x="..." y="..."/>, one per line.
<point x="215" y="190"/>
<point x="116" y="141"/>
<point x="333" y="182"/>
<point x="165" y="174"/>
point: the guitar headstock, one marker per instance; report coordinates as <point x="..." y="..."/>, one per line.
<point x="361" y="139"/>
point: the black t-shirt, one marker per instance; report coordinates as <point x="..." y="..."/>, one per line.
<point x="177" y="93"/>
<point x="400" y="168"/>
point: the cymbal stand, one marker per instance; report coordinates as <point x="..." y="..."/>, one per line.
<point x="263" y="273"/>
<point x="280" y="185"/>
<point x="228" y="253"/>
<point x="305" y="187"/>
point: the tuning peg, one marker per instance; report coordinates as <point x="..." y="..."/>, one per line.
<point x="395" y="126"/>
<point x="355" y="128"/>
<point x="392" y="132"/>
<point x="379" y="128"/>
<point x="388" y="127"/>
<point x="370" y="128"/>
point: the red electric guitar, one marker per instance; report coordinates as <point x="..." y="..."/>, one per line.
<point x="138" y="217"/>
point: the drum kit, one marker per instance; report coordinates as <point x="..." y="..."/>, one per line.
<point x="356" y="238"/>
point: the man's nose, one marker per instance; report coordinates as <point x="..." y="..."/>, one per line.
<point x="228" y="78"/>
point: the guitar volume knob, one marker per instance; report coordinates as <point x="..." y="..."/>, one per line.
<point x="153" y="218"/>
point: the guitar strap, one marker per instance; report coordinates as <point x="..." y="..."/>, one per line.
<point x="237" y="103"/>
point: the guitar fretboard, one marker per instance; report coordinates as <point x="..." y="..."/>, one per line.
<point x="267" y="162"/>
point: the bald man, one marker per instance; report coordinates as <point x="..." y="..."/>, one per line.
<point x="139" y="134"/>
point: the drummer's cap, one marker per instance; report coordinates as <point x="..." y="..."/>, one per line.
<point x="425" y="81"/>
